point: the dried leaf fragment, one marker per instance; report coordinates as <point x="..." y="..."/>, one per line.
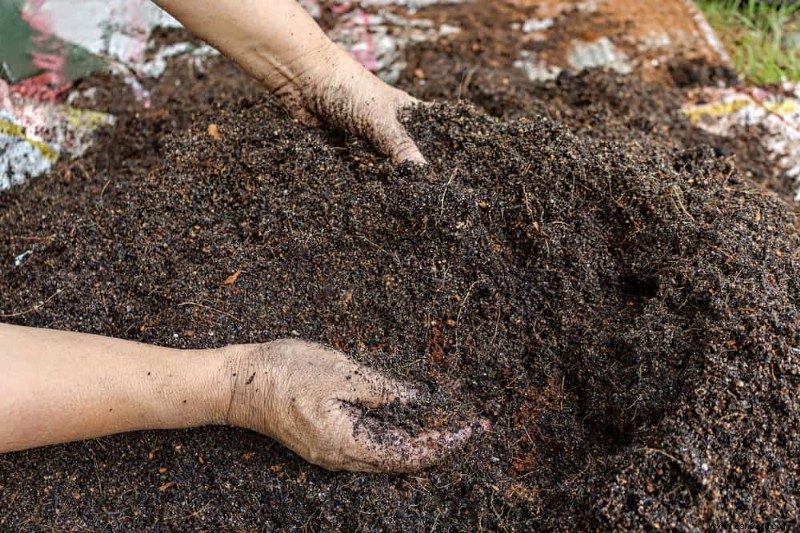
<point x="213" y="131"/>
<point x="230" y="280"/>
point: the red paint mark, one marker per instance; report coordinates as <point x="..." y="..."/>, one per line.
<point x="48" y="61"/>
<point x="338" y="9"/>
<point x="45" y="87"/>
<point x="49" y="58"/>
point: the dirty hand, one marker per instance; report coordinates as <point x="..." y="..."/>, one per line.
<point x="334" y="88"/>
<point x="305" y="396"/>
<point x="280" y="45"/>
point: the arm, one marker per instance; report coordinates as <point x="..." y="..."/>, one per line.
<point x="279" y="44"/>
<point x="61" y="386"/>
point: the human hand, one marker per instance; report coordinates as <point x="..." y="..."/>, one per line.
<point x="279" y="44"/>
<point x="328" y="85"/>
<point x="305" y="396"/>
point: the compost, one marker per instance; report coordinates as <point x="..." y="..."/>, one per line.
<point x="613" y="293"/>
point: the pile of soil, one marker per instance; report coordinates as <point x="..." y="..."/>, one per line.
<point x="476" y="65"/>
<point x="622" y="308"/>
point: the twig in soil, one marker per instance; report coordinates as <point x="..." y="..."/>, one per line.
<point x="392" y="255"/>
<point x="415" y="362"/>
<point x="461" y="308"/>
<point x="444" y="192"/>
<point x="34" y="308"/>
<point x="29" y="238"/>
<point x="465" y="82"/>
<point x="496" y="328"/>
<point x="662" y="452"/>
<point x="196" y="304"/>
<point x="104" y="191"/>
<point x="97" y="472"/>
<point x="737" y="414"/>
<point x="436" y="520"/>
<point x="528" y="207"/>
<point x="678" y="194"/>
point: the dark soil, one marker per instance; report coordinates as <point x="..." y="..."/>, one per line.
<point x="476" y="65"/>
<point x="620" y="302"/>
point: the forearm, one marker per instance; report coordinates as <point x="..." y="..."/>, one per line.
<point x="275" y="41"/>
<point x="60" y="386"/>
<point x="280" y="45"/>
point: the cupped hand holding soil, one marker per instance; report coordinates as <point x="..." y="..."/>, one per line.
<point x="63" y="386"/>
<point x="307" y="397"/>
<point x="339" y="91"/>
<point x="280" y="45"/>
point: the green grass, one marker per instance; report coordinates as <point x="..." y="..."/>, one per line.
<point x="754" y="33"/>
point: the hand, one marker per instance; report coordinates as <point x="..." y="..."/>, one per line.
<point x="304" y="396"/>
<point x="330" y="86"/>
<point x="280" y="45"/>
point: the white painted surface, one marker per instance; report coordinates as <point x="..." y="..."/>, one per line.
<point x="776" y="115"/>
<point x="20" y="160"/>
<point x="116" y="29"/>
<point x="598" y="53"/>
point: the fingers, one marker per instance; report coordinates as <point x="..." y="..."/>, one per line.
<point x="366" y="107"/>
<point x="402" y="148"/>
<point x="310" y="410"/>
<point x="394" y="450"/>
<point x="372" y="389"/>
<point x="397" y="143"/>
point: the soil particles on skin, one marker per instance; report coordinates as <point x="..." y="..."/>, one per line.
<point x="622" y="307"/>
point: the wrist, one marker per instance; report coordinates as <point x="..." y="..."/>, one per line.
<point x="186" y="387"/>
<point x="237" y="375"/>
<point x="305" y="71"/>
<point x="210" y="387"/>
